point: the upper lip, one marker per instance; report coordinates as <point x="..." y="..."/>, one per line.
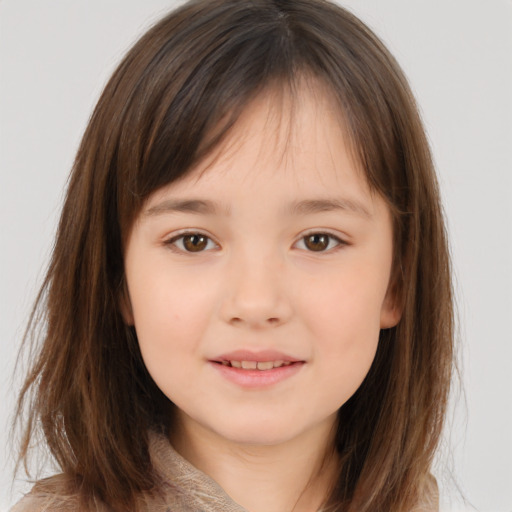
<point x="258" y="356"/>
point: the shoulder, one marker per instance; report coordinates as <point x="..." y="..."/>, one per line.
<point x="42" y="503"/>
<point x="34" y="502"/>
<point x="53" y="495"/>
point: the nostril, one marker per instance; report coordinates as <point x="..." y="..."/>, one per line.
<point x="269" y="321"/>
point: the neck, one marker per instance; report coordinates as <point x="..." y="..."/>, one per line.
<point x="293" y="476"/>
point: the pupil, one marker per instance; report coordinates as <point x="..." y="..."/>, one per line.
<point x="194" y="243"/>
<point x="317" y="242"/>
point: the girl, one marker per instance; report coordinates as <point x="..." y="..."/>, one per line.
<point x="248" y="305"/>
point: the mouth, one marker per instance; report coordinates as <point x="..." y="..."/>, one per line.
<point x="256" y="365"/>
<point x="257" y="369"/>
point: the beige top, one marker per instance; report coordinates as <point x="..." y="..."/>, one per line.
<point x="184" y="489"/>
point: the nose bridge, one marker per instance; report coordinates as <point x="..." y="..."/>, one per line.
<point x="256" y="295"/>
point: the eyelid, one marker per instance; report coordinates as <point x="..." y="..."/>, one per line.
<point x="341" y="242"/>
<point x="171" y="240"/>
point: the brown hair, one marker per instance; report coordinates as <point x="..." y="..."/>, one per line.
<point x="172" y="99"/>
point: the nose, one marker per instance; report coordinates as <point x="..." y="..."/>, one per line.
<point x="256" y="293"/>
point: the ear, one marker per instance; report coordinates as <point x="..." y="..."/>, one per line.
<point x="391" y="311"/>
<point x="125" y="305"/>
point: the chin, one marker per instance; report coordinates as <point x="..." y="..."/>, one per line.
<point x="256" y="432"/>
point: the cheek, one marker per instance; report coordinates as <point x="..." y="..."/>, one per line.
<point x="344" y="318"/>
<point x="347" y="301"/>
<point x="170" y="319"/>
<point x="171" y="312"/>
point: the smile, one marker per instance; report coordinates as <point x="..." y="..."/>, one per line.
<point x="256" y="365"/>
<point x="257" y="370"/>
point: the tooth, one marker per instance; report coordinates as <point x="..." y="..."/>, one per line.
<point x="278" y="364"/>
<point x="265" y="365"/>
<point x="225" y="363"/>
<point x="236" y="364"/>
<point x="287" y="363"/>
<point x="249" y="365"/>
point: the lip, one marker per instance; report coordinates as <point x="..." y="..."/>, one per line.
<point x="254" y="379"/>
<point x="258" y="356"/>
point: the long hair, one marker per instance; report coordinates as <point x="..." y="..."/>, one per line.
<point x="173" y="98"/>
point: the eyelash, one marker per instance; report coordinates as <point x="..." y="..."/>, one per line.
<point x="175" y="240"/>
<point x="332" y="238"/>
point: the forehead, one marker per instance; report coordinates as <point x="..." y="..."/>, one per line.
<point x="283" y="142"/>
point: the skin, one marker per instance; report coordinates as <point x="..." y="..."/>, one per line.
<point x="257" y="285"/>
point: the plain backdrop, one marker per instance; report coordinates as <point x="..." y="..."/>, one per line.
<point x="55" y="56"/>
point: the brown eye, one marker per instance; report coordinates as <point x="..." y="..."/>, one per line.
<point x="195" y="243"/>
<point x="319" y="242"/>
<point x="316" y="242"/>
<point x="192" y="242"/>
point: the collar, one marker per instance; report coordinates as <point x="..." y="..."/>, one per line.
<point x="185" y="488"/>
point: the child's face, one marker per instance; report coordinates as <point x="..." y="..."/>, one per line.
<point x="277" y="252"/>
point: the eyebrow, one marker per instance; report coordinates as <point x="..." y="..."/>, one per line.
<point x="199" y="206"/>
<point x="327" y="205"/>
<point x="303" y="207"/>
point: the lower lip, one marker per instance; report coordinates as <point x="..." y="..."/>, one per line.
<point x="257" y="378"/>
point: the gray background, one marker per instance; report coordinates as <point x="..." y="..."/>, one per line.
<point x="55" y="57"/>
